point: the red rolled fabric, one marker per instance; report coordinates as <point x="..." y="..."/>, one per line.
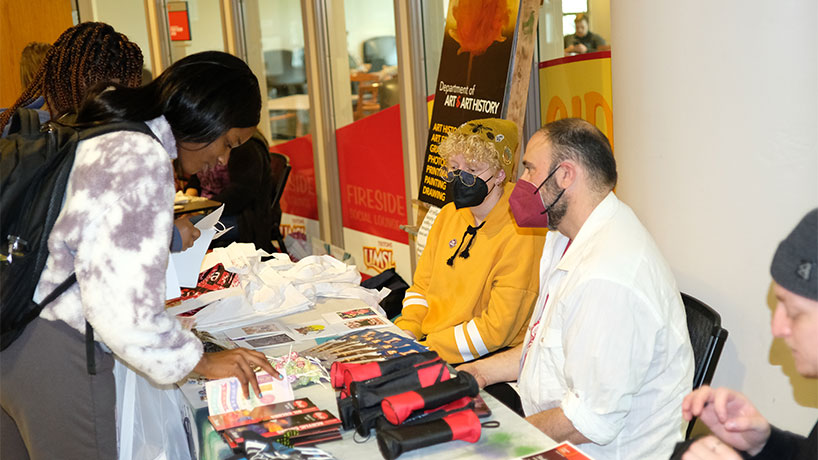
<point x="465" y="425"/>
<point x="397" y="408"/>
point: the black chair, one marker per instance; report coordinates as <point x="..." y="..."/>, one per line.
<point x="281" y="172"/>
<point x="285" y="72"/>
<point x="707" y="338"/>
<point x="380" y="52"/>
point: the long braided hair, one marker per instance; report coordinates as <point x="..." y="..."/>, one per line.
<point x="84" y="55"/>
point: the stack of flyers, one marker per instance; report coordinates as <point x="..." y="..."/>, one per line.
<point x="363" y="346"/>
<point x="356" y="318"/>
<point x="244" y="417"/>
<point x="260" y="335"/>
<point x="227" y="395"/>
<point x="293" y="430"/>
<point x="563" y="450"/>
<point x="213" y="284"/>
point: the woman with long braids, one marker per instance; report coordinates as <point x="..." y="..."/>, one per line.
<point x="113" y="231"/>
<point x="83" y="56"/>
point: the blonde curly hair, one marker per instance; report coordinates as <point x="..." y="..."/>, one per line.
<point x="474" y="149"/>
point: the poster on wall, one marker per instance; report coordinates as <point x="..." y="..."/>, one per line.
<point x="578" y="87"/>
<point x="299" y="201"/>
<point x="373" y="193"/>
<point x="473" y="78"/>
<point x="178" y="21"/>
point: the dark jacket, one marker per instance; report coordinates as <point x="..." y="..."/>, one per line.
<point x="782" y="445"/>
<point x="248" y="196"/>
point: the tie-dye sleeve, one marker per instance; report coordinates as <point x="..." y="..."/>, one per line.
<point x="122" y="253"/>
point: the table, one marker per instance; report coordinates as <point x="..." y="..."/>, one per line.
<point x="513" y="438"/>
<point x="195" y="206"/>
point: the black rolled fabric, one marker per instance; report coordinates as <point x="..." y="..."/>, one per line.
<point x="367" y="395"/>
<point x="464" y="426"/>
<point x="392" y="443"/>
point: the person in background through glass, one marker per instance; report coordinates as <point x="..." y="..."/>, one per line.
<point x="583" y="40"/>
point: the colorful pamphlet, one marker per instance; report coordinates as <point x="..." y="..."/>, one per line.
<point x="564" y="450"/>
<point x="307" y="424"/>
<point x="239" y="418"/>
<point x="227" y="395"/>
<point x="363" y="346"/>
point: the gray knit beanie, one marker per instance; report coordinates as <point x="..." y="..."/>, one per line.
<point x="795" y="263"/>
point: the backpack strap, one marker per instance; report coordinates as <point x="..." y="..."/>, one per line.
<point x="90" y="361"/>
<point x="24" y="121"/>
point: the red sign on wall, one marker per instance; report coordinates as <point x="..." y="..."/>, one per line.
<point x="370" y="163"/>
<point x="178" y="21"/>
<point x="299" y="197"/>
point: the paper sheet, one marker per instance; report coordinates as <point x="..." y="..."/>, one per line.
<point x="225" y="395"/>
<point x="187" y="264"/>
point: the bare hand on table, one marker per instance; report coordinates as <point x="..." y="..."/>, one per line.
<point x="730" y="416"/>
<point x="239" y="363"/>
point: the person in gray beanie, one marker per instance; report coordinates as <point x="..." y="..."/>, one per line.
<point x="739" y="430"/>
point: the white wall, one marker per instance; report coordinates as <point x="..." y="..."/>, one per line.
<point x="206" y="31"/>
<point x="281" y="26"/>
<point x="600" y="12"/>
<point x="366" y="19"/>
<point x="127" y="17"/>
<point x="717" y="144"/>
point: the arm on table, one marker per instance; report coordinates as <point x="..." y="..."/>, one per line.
<point x="501" y="367"/>
<point x="556" y="425"/>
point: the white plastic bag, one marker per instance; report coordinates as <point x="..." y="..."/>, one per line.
<point x="149" y="419"/>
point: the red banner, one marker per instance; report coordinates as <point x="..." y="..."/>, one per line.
<point x="370" y="164"/>
<point x="299" y="197"/>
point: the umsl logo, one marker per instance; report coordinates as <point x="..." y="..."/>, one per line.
<point x="286" y="229"/>
<point x="379" y="259"/>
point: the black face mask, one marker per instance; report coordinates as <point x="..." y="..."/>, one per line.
<point x="465" y="196"/>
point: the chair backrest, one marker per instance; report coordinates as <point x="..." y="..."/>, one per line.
<point x="281" y="168"/>
<point x="707" y="338"/>
<point x="380" y="51"/>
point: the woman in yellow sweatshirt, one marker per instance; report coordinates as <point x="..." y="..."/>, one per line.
<point x="477" y="279"/>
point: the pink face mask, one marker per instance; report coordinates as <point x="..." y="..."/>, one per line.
<point x="527" y="206"/>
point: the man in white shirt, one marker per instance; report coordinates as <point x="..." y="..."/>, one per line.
<point x="607" y="359"/>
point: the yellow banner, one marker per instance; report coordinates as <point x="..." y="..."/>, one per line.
<point x="578" y="87"/>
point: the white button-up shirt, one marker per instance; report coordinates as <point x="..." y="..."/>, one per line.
<point x="608" y="340"/>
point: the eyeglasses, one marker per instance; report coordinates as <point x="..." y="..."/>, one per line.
<point x="468" y="179"/>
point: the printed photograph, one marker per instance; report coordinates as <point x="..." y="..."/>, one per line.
<point x="364" y="322"/>
<point x="270" y="340"/>
<point x="356" y="313"/>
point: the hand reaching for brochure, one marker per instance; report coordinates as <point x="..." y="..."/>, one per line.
<point x="730" y="416"/>
<point x="187" y="231"/>
<point x="239" y="363"/>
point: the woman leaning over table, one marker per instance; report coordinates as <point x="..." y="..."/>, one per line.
<point x="113" y="232"/>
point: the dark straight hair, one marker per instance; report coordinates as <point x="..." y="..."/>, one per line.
<point x="202" y="96"/>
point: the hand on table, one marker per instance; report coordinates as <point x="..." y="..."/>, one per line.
<point x="709" y="447"/>
<point x="473" y="368"/>
<point x="187" y="230"/>
<point x="239" y="363"/>
<point x="730" y="416"/>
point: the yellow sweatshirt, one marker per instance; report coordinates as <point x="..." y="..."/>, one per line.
<point x="479" y="304"/>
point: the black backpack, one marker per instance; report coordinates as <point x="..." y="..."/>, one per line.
<point x="34" y="168"/>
